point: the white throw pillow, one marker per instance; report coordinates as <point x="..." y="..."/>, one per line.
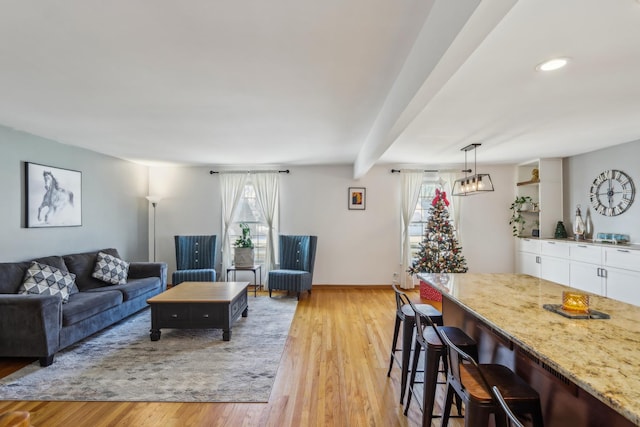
<point x="111" y="269"/>
<point x="42" y="279"/>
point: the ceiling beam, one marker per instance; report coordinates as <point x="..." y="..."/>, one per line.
<point x="451" y="33"/>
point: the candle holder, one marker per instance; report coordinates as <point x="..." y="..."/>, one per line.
<point x="576" y="302"/>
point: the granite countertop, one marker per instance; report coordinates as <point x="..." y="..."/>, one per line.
<point x="600" y="356"/>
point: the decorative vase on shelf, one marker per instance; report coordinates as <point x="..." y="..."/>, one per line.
<point x="561" y="232"/>
<point x="578" y="227"/>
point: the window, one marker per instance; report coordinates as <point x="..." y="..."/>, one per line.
<point x="250" y="213"/>
<point x="421" y="214"/>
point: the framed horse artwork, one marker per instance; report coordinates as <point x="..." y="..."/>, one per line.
<point x="53" y="196"/>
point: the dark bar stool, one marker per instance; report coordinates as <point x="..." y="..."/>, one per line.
<point x="472" y="382"/>
<point x="428" y="337"/>
<point x="406" y="315"/>
<point x="512" y="420"/>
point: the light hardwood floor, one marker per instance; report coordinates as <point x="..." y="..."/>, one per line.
<point x="333" y="373"/>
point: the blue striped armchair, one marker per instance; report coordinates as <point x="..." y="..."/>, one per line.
<point x="297" y="257"/>
<point x="195" y="259"/>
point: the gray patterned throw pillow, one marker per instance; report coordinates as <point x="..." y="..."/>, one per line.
<point x="111" y="269"/>
<point x="42" y="279"/>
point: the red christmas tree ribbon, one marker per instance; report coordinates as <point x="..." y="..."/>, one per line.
<point x="440" y="195"/>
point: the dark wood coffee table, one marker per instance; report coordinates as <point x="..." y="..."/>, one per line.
<point x="199" y="305"/>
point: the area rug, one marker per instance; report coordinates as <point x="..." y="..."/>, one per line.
<point x="122" y="364"/>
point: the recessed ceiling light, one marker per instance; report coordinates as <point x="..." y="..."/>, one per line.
<point x="552" y="64"/>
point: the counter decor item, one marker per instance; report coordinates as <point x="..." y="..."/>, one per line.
<point x="575" y="305"/>
<point x="575" y="301"/>
<point x="578" y="226"/>
<point x="591" y="314"/>
<point x="616" y="239"/>
<point x="561" y="232"/>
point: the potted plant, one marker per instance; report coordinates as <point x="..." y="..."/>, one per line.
<point x="243" y="254"/>
<point x="517" y="221"/>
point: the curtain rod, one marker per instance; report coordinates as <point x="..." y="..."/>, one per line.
<point x="257" y="171"/>
<point x="425" y="170"/>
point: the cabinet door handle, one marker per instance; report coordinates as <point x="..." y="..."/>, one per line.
<point x="538" y="260"/>
<point x="604" y="272"/>
<point x="582" y="246"/>
<point x="174" y="316"/>
<point x="598" y="272"/>
<point x="551" y="243"/>
<point x="623" y="250"/>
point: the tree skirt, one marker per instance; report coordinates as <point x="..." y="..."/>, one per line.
<point x="429" y="293"/>
<point x="121" y="363"/>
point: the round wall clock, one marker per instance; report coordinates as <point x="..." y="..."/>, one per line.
<point x="612" y="192"/>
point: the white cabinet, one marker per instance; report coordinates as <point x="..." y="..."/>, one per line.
<point x="528" y="263"/>
<point x="528" y="256"/>
<point x="586" y="272"/>
<point x="623" y="285"/>
<point x="587" y="277"/>
<point x="613" y="271"/>
<point x="622" y="274"/>
<point x="554" y="261"/>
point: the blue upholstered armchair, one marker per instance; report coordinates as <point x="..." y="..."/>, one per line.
<point x="195" y="259"/>
<point x="297" y="256"/>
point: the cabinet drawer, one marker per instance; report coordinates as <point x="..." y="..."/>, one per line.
<point x="529" y="245"/>
<point x="586" y="253"/>
<point x="555" y="249"/>
<point x="622" y="258"/>
<point x="174" y="314"/>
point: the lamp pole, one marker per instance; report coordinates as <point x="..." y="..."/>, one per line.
<point x="154" y="230"/>
<point x="154" y="202"/>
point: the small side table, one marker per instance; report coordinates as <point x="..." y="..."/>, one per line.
<point x="257" y="276"/>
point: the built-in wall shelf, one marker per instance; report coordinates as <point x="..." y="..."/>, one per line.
<point x="541" y="180"/>
<point x="531" y="182"/>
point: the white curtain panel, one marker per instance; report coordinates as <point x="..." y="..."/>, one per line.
<point x="410" y="182"/>
<point x="267" y="193"/>
<point x="231" y="188"/>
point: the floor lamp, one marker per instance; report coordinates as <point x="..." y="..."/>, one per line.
<point x="154" y="201"/>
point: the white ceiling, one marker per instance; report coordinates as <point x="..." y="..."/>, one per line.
<point x="301" y="82"/>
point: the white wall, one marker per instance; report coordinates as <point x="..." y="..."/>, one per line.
<point x="114" y="211"/>
<point x="354" y="247"/>
<point x="579" y="173"/>
<point x="486" y="237"/>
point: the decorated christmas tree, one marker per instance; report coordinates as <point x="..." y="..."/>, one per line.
<point x="440" y="251"/>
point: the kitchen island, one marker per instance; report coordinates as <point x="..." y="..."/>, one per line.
<point x="587" y="371"/>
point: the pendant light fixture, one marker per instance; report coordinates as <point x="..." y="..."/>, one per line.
<point x="472" y="184"/>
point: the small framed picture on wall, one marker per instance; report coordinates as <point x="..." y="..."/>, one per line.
<point x="357" y="198"/>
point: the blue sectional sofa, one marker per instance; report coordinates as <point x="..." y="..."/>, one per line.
<point x="40" y="325"/>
